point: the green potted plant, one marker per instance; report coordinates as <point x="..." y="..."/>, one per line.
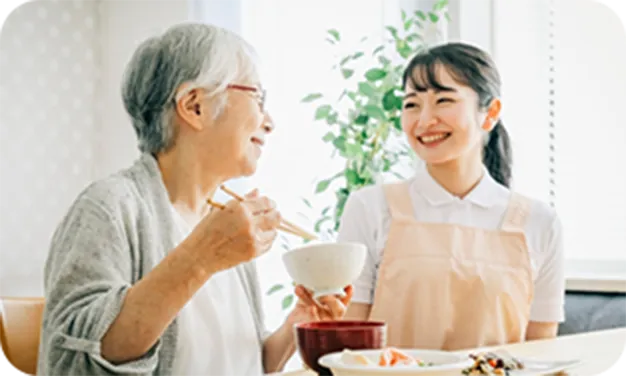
<point x="364" y="122"/>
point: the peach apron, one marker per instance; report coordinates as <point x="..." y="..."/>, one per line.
<point x="452" y="287"/>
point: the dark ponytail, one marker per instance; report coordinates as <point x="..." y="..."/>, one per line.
<point x="472" y="67"/>
<point x="497" y="155"/>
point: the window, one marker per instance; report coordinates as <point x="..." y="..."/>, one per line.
<point x="297" y="60"/>
<point x="590" y="87"/>
<point x="563" y="93"/>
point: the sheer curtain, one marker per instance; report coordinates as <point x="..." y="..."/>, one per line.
<point x="522" y="58"/>
<point x="590" y="86"/>
<point x="564" y="93"/>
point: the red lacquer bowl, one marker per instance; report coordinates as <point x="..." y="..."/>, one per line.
<point x="316" y="339"/>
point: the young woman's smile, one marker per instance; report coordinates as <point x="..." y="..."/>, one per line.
<point x="433" y="139"/>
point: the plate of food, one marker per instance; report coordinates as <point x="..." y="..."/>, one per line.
<point x="393" y="361"/>
<point x="502" y="363"/>
<point x="412" y="362"/>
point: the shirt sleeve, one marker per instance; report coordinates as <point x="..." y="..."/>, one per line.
<point x="549" y="296"/>
<point x="355" y="226"/>
<point x="87" y="275"/>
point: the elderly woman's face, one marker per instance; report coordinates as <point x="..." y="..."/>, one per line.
<point x="237" y="135"/>
<point x="244" y="125"/>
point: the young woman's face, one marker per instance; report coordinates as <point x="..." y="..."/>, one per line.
<point x="443" y="125"/>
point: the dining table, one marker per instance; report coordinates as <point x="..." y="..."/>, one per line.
<point x="597" y="352"/>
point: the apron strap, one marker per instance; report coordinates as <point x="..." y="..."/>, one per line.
<point x="516" y="213"/>
<point x="399" y="200"/>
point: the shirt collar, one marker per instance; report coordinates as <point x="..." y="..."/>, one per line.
<point x="486" y="194"/>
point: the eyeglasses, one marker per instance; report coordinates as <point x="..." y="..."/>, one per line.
<point x="259" y="93"/>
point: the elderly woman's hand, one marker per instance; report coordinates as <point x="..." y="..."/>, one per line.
<point x="328" y="307"/>
<point x="236" y="234"/>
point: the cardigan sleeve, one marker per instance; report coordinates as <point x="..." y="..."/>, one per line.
<point x="87" y="275"/>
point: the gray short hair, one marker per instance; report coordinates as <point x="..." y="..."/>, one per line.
<point x="198" y="54"/>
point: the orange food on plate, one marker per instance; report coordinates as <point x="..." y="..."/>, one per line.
<point x="393" y="357"/>
<point x="389" y="357"/>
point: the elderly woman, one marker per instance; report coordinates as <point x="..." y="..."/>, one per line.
<point x="143" y="278"/>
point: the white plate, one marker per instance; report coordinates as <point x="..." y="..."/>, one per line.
<point x="445" y="363"/>
<point x="539" y="367"/>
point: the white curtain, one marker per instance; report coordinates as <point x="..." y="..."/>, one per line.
<point x="590" y="93"/>
<point x="563" y="69"/>
<point x="523" y="58"/>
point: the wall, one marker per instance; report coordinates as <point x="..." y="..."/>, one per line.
<point x="62" y="122"/>
<point x="48" y="71"/>
<point x="472" y="22"/>
<point x="124" y="24"/>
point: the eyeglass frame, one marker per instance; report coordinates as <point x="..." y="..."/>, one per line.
<point x="261" y="94"/>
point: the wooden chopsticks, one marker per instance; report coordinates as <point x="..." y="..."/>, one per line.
<point x="285" y="226"/>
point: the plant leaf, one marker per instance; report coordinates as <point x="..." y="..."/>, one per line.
<point x="386" y="165"/>
<point x="358" y="55"/>
<point x="318" y="225"/>
<point x="440" y="5"/>
<point x="397" y="123"/>
<point x="352" y="177"/>
<point x="433" y="17"/>
<point x="345" y="60"/>
<point x="307" y="203"/>
<point x="413" y="37"/>
<point x="407" y="25"/>
<point x="383" y="60"/>
<point x="421" y="15"/>
<point x="361" y="119"/>
<point x="374" y="112"/>
<point x="275" y="288"/>
<point x="375" y="74"/>
<point x="366" y="89"/>
<point x="311" y="97"/>
<point x="335" y="34"/>
<point x="378" y="49"/>
<point x="340" y="143"/>
<point x="347" y="73"/>
<point x="393" y="31"/>
<point x="322" y="112"/>
<point x="403" y="14"/>
<point x="322" y="186"/>
<point x="328" y="137"/>
<point x="331" y="119"/>
<point x="287" y="301"/>
<point x="403" y="49"/>
<point x="389" y="100"/>
<point x="352" y="150"/>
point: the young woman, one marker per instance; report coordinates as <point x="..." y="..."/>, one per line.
<point x="456" y="260"/>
